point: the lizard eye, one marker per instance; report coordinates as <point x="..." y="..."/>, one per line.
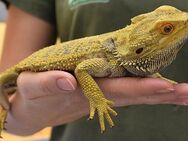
<point x="167" y="28"/>
<point x="139" y="50"/>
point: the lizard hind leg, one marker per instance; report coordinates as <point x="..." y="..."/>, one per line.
<point x="7" y="80"/>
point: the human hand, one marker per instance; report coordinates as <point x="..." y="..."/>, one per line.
<point x="41" y="101"/>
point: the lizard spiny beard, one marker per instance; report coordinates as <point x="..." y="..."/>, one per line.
<point x="150" y="65"/>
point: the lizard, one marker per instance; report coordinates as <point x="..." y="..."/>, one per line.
<point x="141" y="49"/>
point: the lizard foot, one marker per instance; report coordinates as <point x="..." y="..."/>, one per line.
<point x="104" y="110"/>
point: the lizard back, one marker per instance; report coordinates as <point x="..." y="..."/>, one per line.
<point x="63" y="56"/>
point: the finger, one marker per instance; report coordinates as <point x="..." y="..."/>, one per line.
<point x="182" y="94"/>
<point x="34" y="85"/>
<point x="167" y="98"/>
<point x="134" y="87"/>
<point x="182" y="90"/>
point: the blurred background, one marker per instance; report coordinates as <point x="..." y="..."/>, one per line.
<point x="42" y="135"/>
<point x="3" y="15"/>
<point x="2" y="12"/>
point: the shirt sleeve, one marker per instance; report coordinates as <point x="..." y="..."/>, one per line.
<point x="44" y="9"/>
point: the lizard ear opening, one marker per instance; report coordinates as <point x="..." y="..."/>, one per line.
<point x="109" y="45"/>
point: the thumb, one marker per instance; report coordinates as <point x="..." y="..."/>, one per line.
<point x="33" y="85"/>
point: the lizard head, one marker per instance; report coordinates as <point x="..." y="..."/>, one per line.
<point x="153" y="40"/>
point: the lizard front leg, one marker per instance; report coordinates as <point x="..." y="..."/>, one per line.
<point x="158" y="75"/>
<point x="96" y="67"/>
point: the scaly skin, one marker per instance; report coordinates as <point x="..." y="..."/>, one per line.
<point x="143" y="48"/>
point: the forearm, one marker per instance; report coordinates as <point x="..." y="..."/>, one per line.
<point x="24" y="35"/>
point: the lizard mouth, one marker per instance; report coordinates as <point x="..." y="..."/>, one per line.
<point x="156" y="62"/>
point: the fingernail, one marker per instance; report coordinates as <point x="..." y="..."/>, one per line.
<point x="168" y="90"/>
<point x="65" y="84"/>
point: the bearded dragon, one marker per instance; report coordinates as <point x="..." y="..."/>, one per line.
<point x="141" y="49"/>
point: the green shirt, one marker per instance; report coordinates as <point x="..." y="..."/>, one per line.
<point x="134" y="123"/>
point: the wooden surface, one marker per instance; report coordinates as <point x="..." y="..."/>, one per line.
<point x="42" y="135"/>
